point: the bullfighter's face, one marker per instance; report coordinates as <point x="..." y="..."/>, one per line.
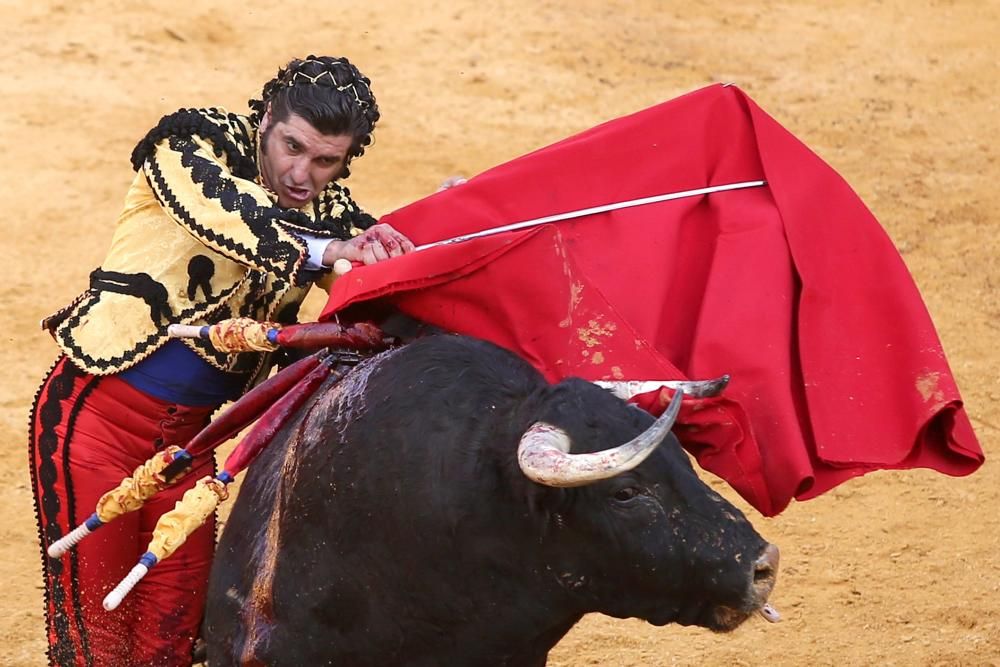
<point x="297" y="160"/>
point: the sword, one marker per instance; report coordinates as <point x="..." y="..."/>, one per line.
<point x="594" y="210"/>
<point x="342" y="266"/>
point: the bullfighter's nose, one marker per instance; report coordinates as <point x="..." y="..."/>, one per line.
<point x="765" y="572"/>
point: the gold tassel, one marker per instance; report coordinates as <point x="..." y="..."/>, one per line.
<point x="190" y="512"/>
<point x="133" y="491"/>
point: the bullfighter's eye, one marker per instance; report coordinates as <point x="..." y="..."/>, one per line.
<point x="626" y="493"/>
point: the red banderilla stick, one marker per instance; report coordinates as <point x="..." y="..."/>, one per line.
<point x="363" y="336"/>
<point x="273" y="420"/>
<point x="243" y="412"/>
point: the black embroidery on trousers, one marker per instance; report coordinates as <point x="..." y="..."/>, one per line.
<point x="139" y="285"/>
<point x="200" y="272"/>
<point x="74" y="560"/>
<point x="46" y="415"/>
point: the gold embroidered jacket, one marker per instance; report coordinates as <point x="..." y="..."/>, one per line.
<point x="199" y="240"/>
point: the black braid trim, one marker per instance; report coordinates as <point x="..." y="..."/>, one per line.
<point x="242" y="363"/>
<point x="282" y="256"/>
<point x="140" y="285"/>
<point x="321" y="224"/>
<point x="362" y="220"/>
<point x="259" y="305"/>
<point x="52" y="322"/>
<point x="331" y="228"/>
<point x="238" y="123"/>
<point x="358" y="218"/>
<point x="144" y="347"/>
<point x="325" y="226"/>
<point x="193" y="122"/>
<point x="338" y="228"/>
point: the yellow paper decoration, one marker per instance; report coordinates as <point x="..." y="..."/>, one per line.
<point x="242" y="335"/>
<point x="133" y="491"/>
<point x="190" y="512"/>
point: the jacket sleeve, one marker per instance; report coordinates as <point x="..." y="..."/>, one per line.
<point x="231" y="215"/>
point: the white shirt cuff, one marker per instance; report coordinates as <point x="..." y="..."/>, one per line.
<point x="315" y="246"/>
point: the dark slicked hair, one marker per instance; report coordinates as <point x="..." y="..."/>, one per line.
<point x="329" y="93"/>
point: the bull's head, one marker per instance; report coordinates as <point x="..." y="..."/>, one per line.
<point x="689" y="554"/>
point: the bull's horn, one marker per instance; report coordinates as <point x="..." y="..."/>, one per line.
<point x="626" y="389"/>
<point x="544" y="457"/>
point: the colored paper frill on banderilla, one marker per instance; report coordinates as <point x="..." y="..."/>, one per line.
<point x="793" y="288"/>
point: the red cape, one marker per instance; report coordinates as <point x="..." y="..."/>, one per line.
<point x="793" y="289"/>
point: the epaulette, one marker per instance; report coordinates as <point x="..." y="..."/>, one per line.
<point x="227" y="132"/>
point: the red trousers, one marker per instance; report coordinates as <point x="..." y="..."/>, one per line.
<point x="87" y="434"/>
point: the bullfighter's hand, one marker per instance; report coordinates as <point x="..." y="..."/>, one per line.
<point x="375" y="244"/>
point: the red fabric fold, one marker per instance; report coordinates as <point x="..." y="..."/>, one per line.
<point x="793" y="289"/>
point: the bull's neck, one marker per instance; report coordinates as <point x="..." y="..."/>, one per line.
<point x="502" y="638"/>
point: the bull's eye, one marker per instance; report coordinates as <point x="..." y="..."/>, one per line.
<point x="626" y="493"/>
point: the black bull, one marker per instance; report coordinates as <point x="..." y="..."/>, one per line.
<point x="391" y="524"/>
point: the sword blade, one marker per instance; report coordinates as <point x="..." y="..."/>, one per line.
<point x="569" y="215"/>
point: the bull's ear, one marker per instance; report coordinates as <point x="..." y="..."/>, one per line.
<point x="545" y="503"/>
<point x="535" y="498"/>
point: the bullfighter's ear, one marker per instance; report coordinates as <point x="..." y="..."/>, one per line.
<point x="265" y="121"/>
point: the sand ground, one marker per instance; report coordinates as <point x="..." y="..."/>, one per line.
<point x="899" y="96"/>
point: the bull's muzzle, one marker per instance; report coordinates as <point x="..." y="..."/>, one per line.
<point x="765" y="573"/>
<point x="762" y="576"/>
<point x="544" y="452"/>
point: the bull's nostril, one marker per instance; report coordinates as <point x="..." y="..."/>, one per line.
<point x="766" y="567"/>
